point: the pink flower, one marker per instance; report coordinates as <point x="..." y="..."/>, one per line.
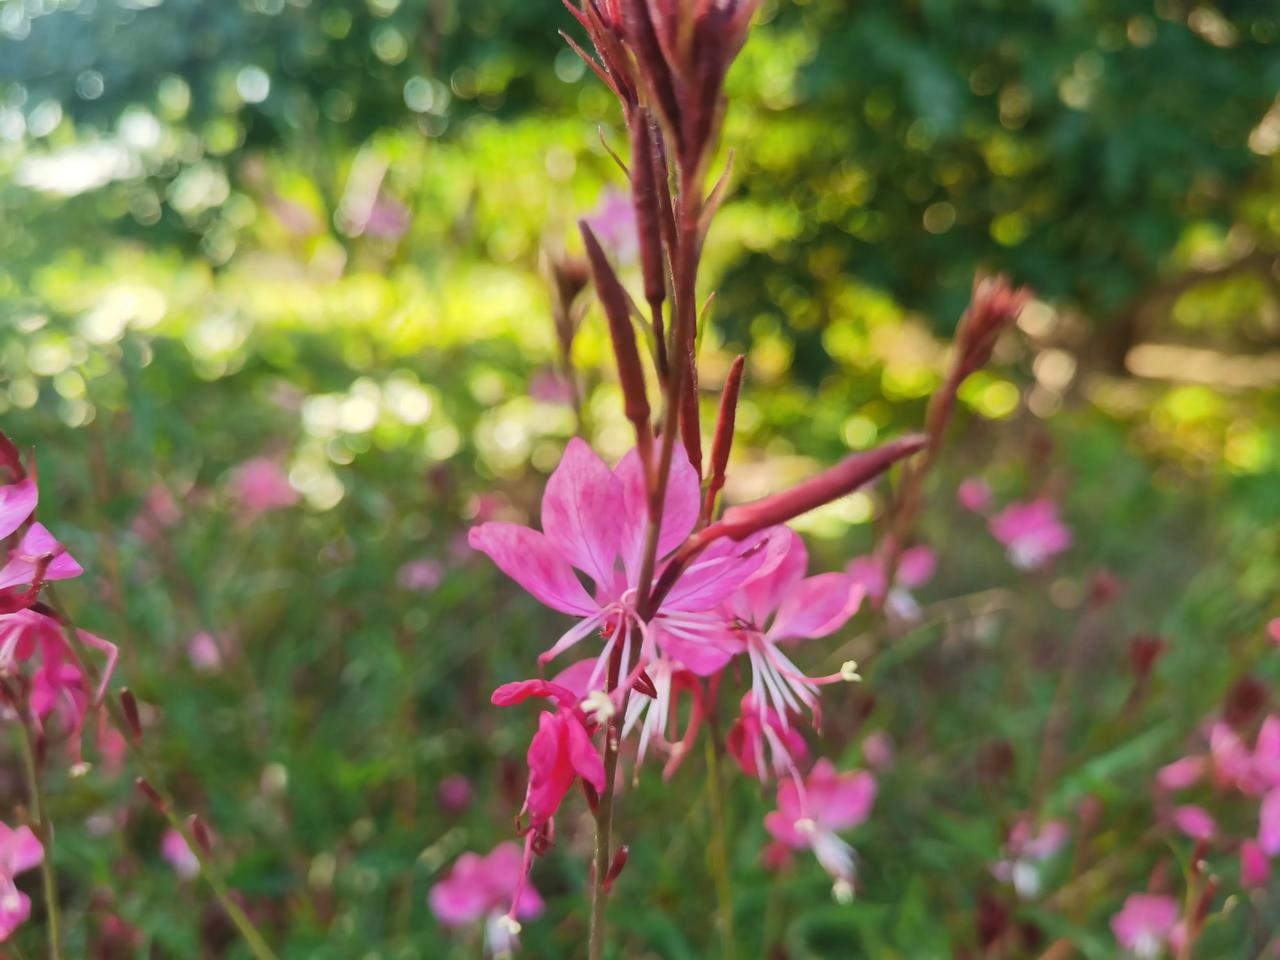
<point x="754" y="730"/>
<point x="204" y="652"/>
<point x="654" y="711"/>
<point x="20" y="851"/>
<point x="916" y="567"/>
<point x="1031" y="532"/>
<point x="614" y="224"/>
<point x="388" y="219"/>
<point x="58" y="688"/>
<point x="878" y="750"/>
<point x="421" y="575"/>
<point x="477" y="887"/>
<point x="159" y="511"/>
<point x="1195" y="822"/>
<point x="1269" y="824"/>
<point x="1255" y="870"/>
<point x="178" y="855"/>
<point x="1025" y="850"/>
<point x="779" y="606"/>
<point x="560" y="752"/>
<point x="811" y="811"/>
<point x="1266" y="753"/>
<point x="974" y="495"/>
<point x="454" y="793"/>
<point x="1181" y="773"/>
<point x="1145" y="924"/>
<point x="36" y="560"/>
<point x="261" y="485"/>
<point x="595" y="520"/>
<point x="1273" y="631"/>
<point x="547" y="386"/>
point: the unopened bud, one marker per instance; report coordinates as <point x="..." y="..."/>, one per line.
<point x="616" y="868"/>
<point x="151" y="794"/>
<point x="201" y="834"/>
<point x="130" y="707"/>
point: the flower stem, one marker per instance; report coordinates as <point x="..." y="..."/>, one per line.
<point x="720" y="846"/>
<point x="604" y="815"/>
<point x="208" y="870"/>
<point x="49" y="882"/>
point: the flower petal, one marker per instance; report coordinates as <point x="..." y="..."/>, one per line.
<point x="717" y="572"/>
<point x="679" y="515"/>
<point x="17" y="502"/>
<point x="580" y="511"/>
<point x="765" y="591"/>
<point x="530" y="560"/>
<point x="583" y="755"/>
<point x="817" y="607"/>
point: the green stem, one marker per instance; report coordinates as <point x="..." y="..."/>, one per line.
<point x="49" y="882"/>
<point x="208" y="871"/>
<point x="720" y="846"/>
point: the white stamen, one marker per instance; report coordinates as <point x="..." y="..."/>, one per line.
<point x="510" y="924"/>
<point x="849" y="672"/>
<point x="842" y="891"/>
<point x="599" y="704"/>
<point x="805" y="826"/>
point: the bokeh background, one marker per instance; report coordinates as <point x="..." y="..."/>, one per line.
<point x="318" y="232"/>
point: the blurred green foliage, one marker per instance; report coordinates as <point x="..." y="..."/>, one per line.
<point x="314" y="231"/>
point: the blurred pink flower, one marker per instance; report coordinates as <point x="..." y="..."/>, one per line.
<point x="1255" y="869"/>
<point x="484" y="887"/>
<point x="878" y="750"/>
<point x="547" y="386"/>
<point x="421" y="575"/>
<point x="916" y="567"/>
<point x="595" y="520"/>
<point x="388" y="219"/>
<point x="159" y="511"/>
<point x="614" y="224"/>
<point x="1273" y="631"/>
<point x="974" y="495"/>
<point x="1269" y="824"/>
<point x="1181" y="773"/>
<point x="454" y="793"/>
<point x="1031" y="532"/>
<point x="811" y="811"/>
<point x="261" y="485"/>
<point x="1145" y="924"/>
<point x="1195" y="822"/>
<point x="754" y="730"/>
<point x="204" y="652"/>
<point x="1025" y="850"/>
<point x="178" y="855"/>
<point x="20" y="851"/>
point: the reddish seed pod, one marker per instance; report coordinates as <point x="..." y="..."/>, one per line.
<point x="201" y="834"/>
<point x="130" y="707"/>
<point x="616" y="868"/>
<point x="150" y="793"/>
<point x="723" y="440"/>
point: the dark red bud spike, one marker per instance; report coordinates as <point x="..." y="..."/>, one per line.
<point x="644" y="198"/>
<point x="723" y="441"/>
<point x="690" y="425"/>
<point x="130" y="707"/>
<point x="201" y="834"/>
<point x="831" y="484"/>
<point x="616" y="868"/>
<point x="617" y="310"/>
<point x="10" y="458"/>
<point x="151" y="794"/>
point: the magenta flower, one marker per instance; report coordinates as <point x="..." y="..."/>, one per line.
<point x="1273" y="631"/>
<point x="560" y="752"/>
<point x="454" y="793"/>
<point x="1026" y="850"/>
<point x="916" y="567"/>
<point x="594" y="520"/>
<point x="1195" y="822"/>
<point x="58" y="687"/>
<point x="1255" y="868"/>
<point x="483" y="887"/>
<point x="776" y="606"/>
<point x="1266" y="753"/>
<point x="1269" y="823"/>
<point x="178" y="855"/>
<point x="20" y="851"/>
<point x="1031" y="532"/>
<point x="420" y="575"/>
<point x="259" y="484"/>
<point x="37" y="559"/>
<point x="878" y="750"/>
<point x="614" y="224"/>
<point x="205" y="651"/>
<point x="159" y="511"/>
<point x="812" y="810"/>
<point x="1146" y="924"/>
<point x="1182" y="773"/>
<point x="652" y="708"/>
<point x="974" y="495"/>
<point x="756" y="729"/>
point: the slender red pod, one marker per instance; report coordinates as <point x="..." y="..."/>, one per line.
<point x="722" y="444"/>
